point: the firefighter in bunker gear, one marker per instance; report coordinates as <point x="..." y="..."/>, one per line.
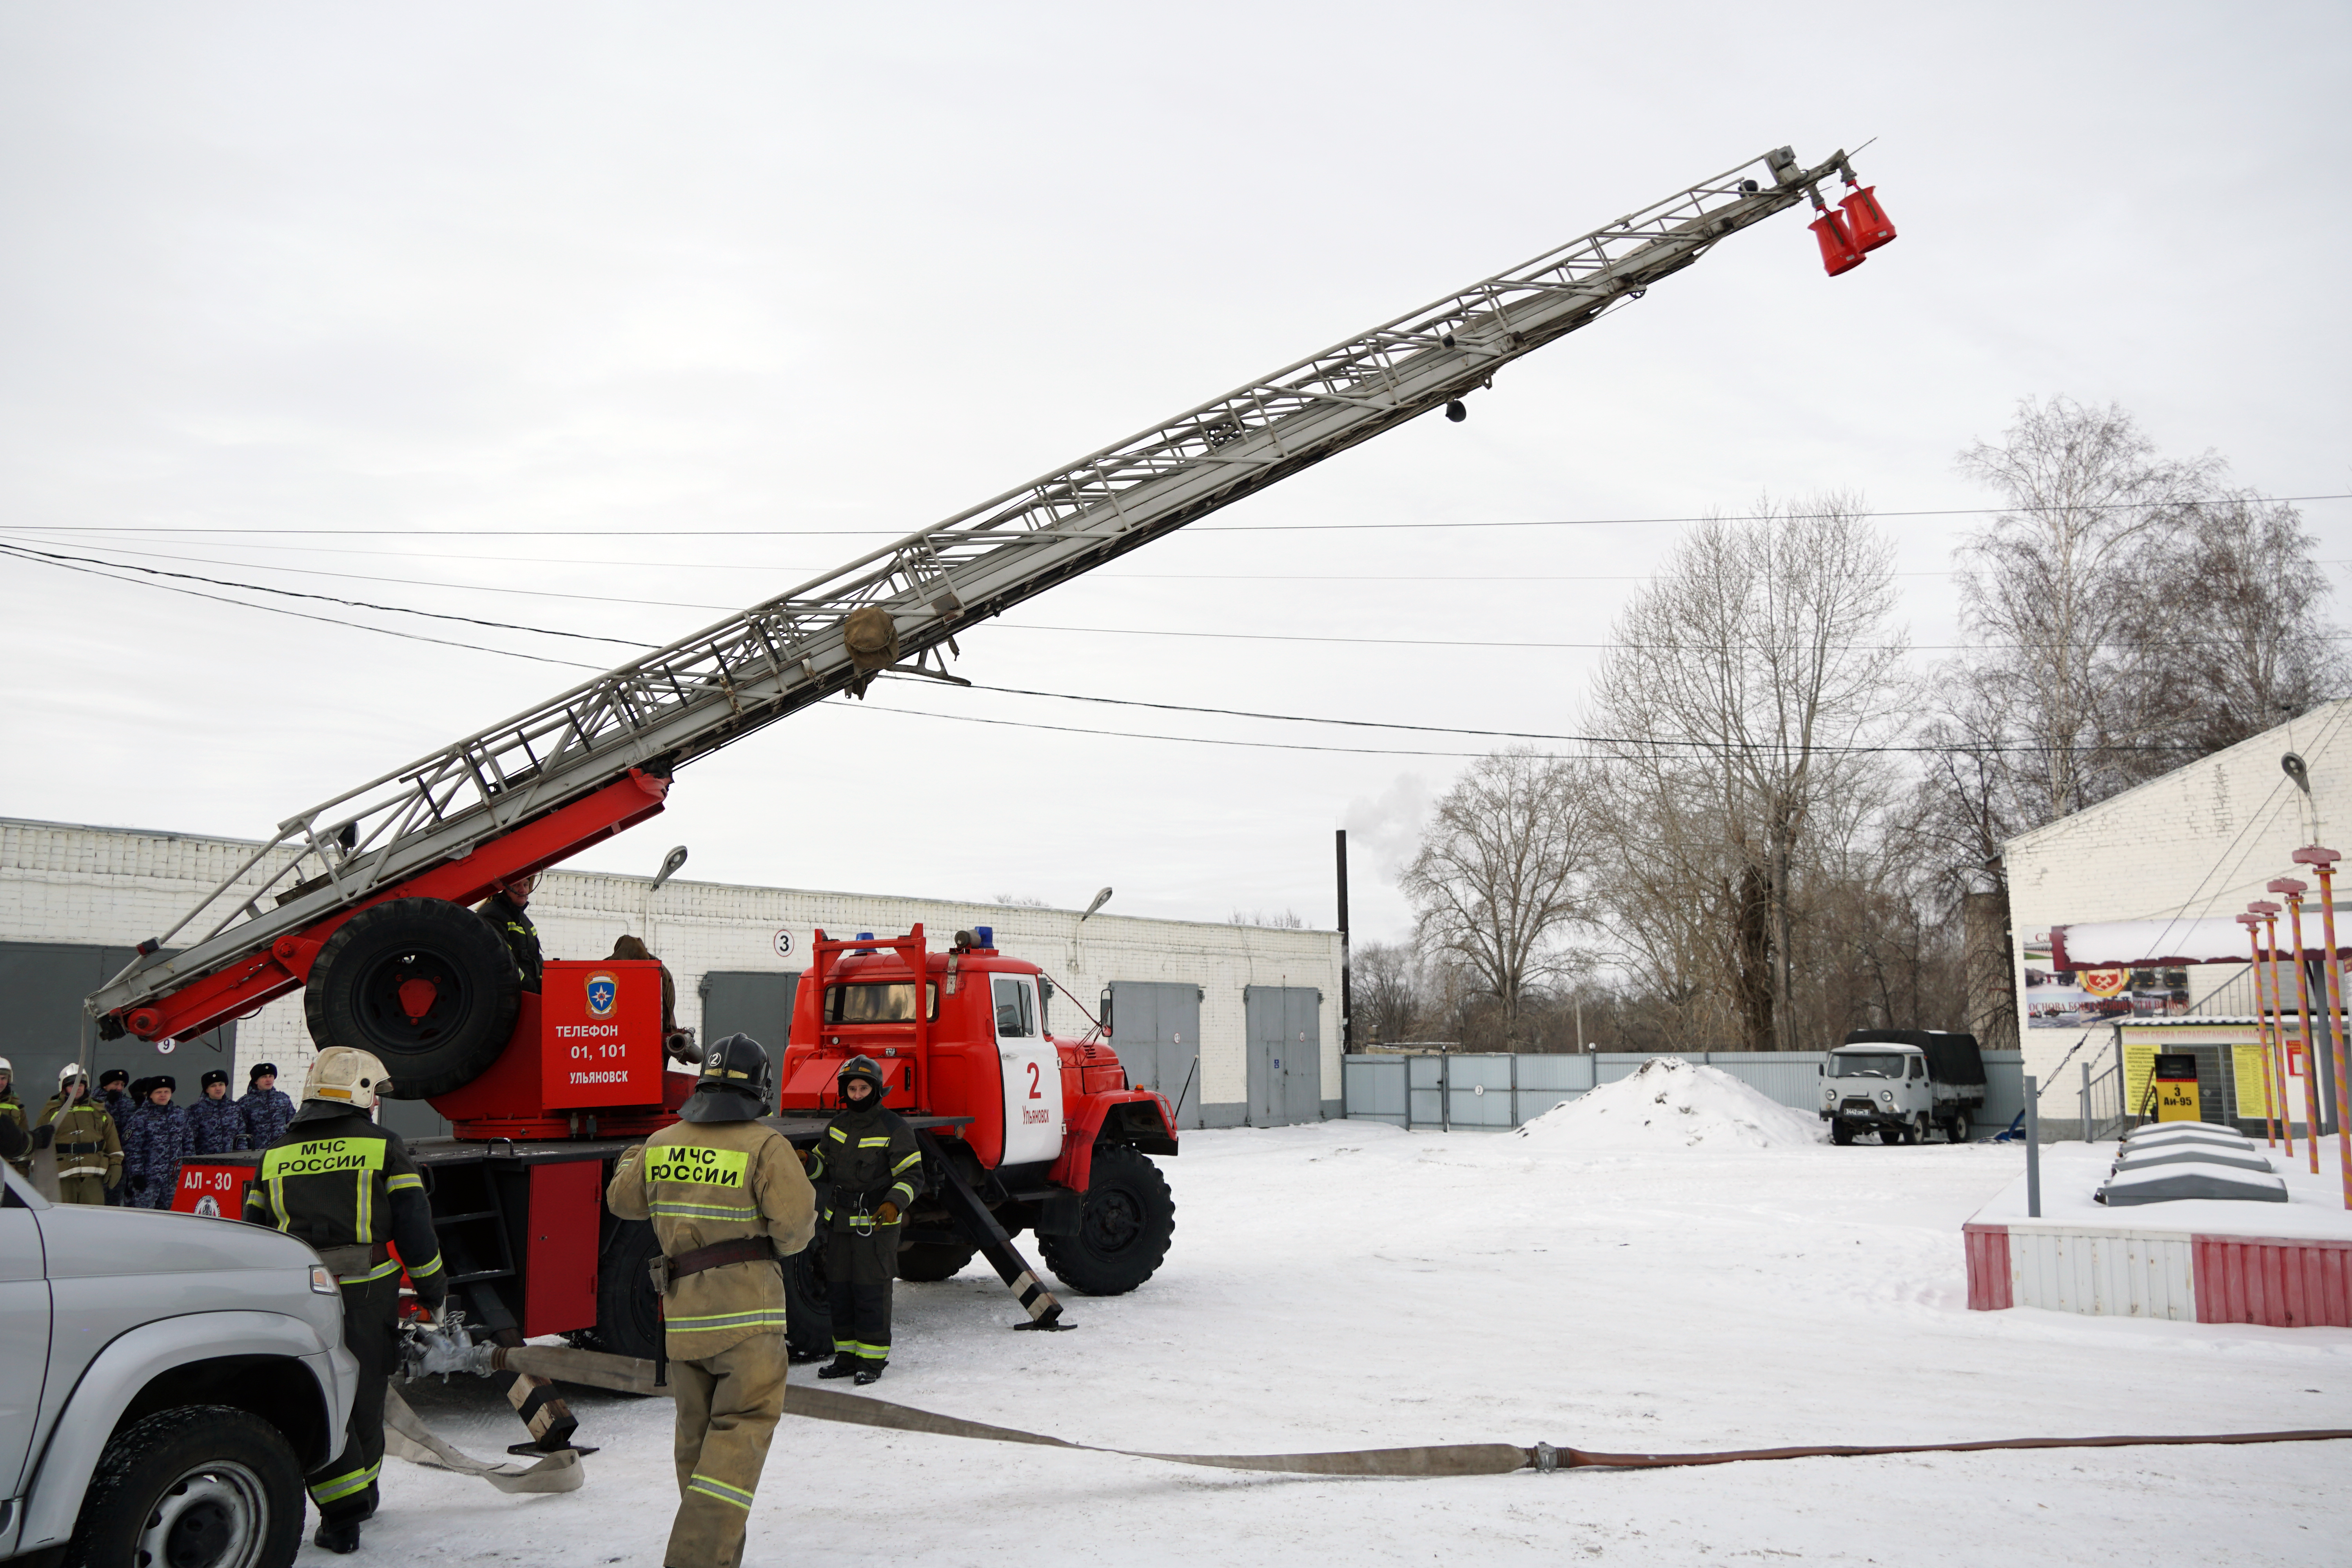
<point x="873" y="1169"/>
<point x="350" y="1189"/>
<point x="214" y="1123"/>
<point x="263" y="1107"/>
<point x="18" y="1137"/>
<point x="726" y="1197"/>
<point x="504" y="909"/>
<point x="155" y="1141"/>
<point x="89" y="1151"/>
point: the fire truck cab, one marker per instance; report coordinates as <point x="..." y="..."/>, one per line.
<point x="1047" y="1132"/>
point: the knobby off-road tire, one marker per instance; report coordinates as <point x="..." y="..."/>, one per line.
<point x="927" y="1262"/>
<point x="1125" y="1225"/>
<point x="206" y="1485"/>
<point x="386" y="960"/>
<point x="628" y="1313"/>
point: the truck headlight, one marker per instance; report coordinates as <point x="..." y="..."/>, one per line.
<point x="1888" y="1095"/>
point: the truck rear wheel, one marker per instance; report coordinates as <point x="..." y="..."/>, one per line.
<point x="628" y="1315"/>
<point x="1124" y="1228"/>
<point x="926" y="1262"/>
<point x="1957" y="1130"/>
<point x="205" y="1486"/>
<point x="425" y="985"/>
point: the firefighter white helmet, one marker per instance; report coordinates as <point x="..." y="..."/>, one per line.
<point x="347" y="1076"/>
<point x="70" y="1071"/>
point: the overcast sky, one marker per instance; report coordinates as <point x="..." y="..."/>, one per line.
<point x="440" y="279"/>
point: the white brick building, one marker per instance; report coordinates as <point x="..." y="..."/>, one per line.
<point x="75" y="900"/>
<point x="2199" y="842"/>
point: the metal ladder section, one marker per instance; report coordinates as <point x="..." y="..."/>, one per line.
<point x="703" y="692"/>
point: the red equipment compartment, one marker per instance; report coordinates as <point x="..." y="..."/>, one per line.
<point x="560" y="1266"/>
<point x="216" y="1192"/>
<point x="588" y="1043"/>
<point x="1838" y="251"/>
<point x="1867" y="223"/>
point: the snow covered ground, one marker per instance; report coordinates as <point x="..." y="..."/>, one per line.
<point x="1349" y="1285"/>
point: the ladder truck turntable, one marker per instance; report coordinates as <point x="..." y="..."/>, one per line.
<point x="361" y="901"/>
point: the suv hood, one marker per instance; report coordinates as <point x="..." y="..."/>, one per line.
<point x="86" y="1242"/>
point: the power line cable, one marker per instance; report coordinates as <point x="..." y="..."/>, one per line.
<point x="1203" y="528"/>
<point x="27" y="551"/>
<point x="302" y="614"/>
<point x="1505" y="734"/>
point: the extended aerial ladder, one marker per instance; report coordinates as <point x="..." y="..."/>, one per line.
<point x="534" y="789"/>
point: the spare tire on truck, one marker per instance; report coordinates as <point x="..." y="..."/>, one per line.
<point x="425" y="985"/>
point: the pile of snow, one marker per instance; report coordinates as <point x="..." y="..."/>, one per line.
<point x="1670" y="1103"/>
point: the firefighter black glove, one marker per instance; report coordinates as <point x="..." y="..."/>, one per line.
<point x="887" y="1212"/>
<point x="43" y="1134"/>
<point x="138" y="1183"/>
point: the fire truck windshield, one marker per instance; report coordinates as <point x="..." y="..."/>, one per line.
<point x="877" y="1001"/>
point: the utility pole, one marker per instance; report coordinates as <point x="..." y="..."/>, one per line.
<point x="1347" y="1009"/>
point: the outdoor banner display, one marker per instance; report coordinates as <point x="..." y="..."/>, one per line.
<point x="2246" y="1068"/>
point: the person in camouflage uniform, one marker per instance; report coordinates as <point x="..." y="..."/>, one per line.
<point x="216" y="1122"/>
<point x="82" y="1136"/>
<point x="154" y="1143"/>
<point x="264" y="1106"/>
<point x="114" y="1099"/>
<point x="727" y="1199"/>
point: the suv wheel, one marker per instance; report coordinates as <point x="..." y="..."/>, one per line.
<point x="206" y="1486"/>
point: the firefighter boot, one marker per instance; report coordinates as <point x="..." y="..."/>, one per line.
<point x="341" y="1538"/>
<point x="869" y="1371"/>
<point x="842" y="1366"/>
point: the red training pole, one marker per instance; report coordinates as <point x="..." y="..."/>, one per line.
<point x="2292" y="890"/>
<point x="2270" y="913"/>
<point x="2253" y="923"/>
<point x="2322" y="863"/>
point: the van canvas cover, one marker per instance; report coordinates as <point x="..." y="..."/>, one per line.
<point x="1952" y="1058"/>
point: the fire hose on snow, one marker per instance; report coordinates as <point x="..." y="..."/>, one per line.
<point x="432" y="1352"/>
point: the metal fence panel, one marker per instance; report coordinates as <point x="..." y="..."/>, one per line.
<point x="1556" y="1070"/>
<point x="1373" y="1087"/>
<point x="1478" y="1091"/>
<point x="1792" y="1077"/>
<point x="1425" y="1104"/>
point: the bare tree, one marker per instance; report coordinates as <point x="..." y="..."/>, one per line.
<point x="2262" y="650"/>
<point x="1747" y="681"/>
<point x="1499" y="876"/>
<point x="1385" y="986"/>
<point x="1284" y="919"/>
<point x="2067" y="594"/>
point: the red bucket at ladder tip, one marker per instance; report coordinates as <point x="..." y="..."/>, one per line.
<point x="1838" y="252"/>
<point x="1867" y="223"/>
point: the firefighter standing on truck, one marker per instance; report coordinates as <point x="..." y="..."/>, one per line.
<point x="349" y="1188"/>
<point x="504" y="909"/>
<point x="873" y="1169"/>
<point x="725" y="1196"/>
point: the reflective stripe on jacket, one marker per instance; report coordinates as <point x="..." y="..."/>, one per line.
<point x="867" y="1158"/>
<point x="701" y="1182"/>
<point x="338" y="1179"/>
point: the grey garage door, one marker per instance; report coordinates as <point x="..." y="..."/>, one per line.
<point x="754" y="1002"/>
<point x="1285" y="1054"/>
<point x="42" y="1026"/>
<point x="1155" y="1027"/>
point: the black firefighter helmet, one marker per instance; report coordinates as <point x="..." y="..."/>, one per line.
<point x="861" y="1068"/>
<point x="737" y="1084"/>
